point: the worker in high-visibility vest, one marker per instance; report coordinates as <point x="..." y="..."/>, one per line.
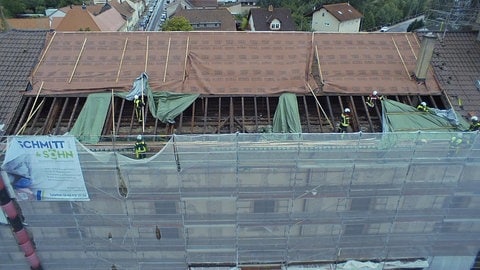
<point x="344" y="121"/>
<point x="140" y="148"/>
<point x="371" y="99"/>
<point x="457" y="142"/>
<point x="422" y="107"/>
<point x="138" y="108"/>
<point x="475" y="125"/>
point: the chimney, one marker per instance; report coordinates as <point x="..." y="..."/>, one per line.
<point x="270" y="8"/>
<point x="423" y="61"/>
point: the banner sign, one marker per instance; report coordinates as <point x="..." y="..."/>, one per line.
<point x="45" y="168"/>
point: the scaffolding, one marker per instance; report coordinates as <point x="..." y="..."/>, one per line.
<point x="239" y="200"/>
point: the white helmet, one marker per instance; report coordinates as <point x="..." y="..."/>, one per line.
<point x="375" y="92"/>
<point x="347" y="110"/>
<point x="139" y="137"/>
<point x="474" y="118"/>
<point x="423" y="103"/>
<point x="136" y="96"/>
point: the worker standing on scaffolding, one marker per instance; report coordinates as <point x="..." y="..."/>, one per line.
<point x="344" y="121"/>
<point x="457" y="142"/>
<point x="139" y="104"/>
<point x="140" y="148"/>
<point x="373" y="98"/>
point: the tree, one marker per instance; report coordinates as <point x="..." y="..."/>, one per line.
<point x="177" y="23"/>
<point x="31" y="6"/>
<point x="417" y="24"/>
<point x="12" y="8"/>
<point x="368" y="21"/>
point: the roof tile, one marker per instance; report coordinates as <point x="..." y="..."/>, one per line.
<point x="19" y="51"/>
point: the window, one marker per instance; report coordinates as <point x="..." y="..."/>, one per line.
<point x="264" y="206"/>
<point x="74" y="232"/>
<point x="458" y="202"/>
<point x="275" y="26"/>
<point x="165" y="207"/>
<point x="360" y="204"/>
<point x="354" y="229"/>
<point x="171" y="233"/>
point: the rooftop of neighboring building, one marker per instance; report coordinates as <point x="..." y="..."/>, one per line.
<point x="78" y="19"/>
<point x="262" y="17"/>
<point x="201" y="19"/>
<point x="203" y="3"/>
<point x="41" y="23"/>
<point x="343" y="11"/>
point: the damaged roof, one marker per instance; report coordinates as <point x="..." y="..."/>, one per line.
<point x="232" y="63"/>
<point x="19" y="51"/>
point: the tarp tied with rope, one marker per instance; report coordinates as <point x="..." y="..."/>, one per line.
<point x="400" y="117"/>
<point x="164" y="106"/>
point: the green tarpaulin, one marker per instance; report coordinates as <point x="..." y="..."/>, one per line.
<point x="287" y="116"/>
<point x="170" y="105"/>
<point x="399" y="117"/>
<point x="164" y="106"/>
<point x="89" y="124"/>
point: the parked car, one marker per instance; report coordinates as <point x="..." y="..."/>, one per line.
<point x="384" y="29"/>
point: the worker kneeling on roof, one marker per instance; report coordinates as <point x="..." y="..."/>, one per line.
<point x="422" y="107"/>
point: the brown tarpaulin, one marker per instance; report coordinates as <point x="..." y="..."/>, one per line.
<point x="230" y="63"/>
<point x="359" y="63"/>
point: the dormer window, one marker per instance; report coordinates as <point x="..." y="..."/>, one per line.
<point x="275" y="25"/>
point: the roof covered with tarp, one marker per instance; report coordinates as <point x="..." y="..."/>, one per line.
<point x="165" y="106"/>
<point x="231" y="63"/>
<point x="400" y="117"/>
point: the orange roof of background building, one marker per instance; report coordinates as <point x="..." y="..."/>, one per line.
<point x="41" y="23"/>
<point x="78" y="19"/>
